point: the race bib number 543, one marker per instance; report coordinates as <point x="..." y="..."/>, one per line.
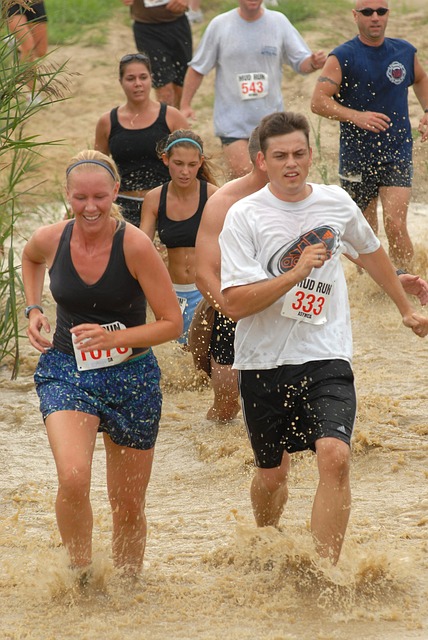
<point x="253" y="85"/>
<point x="308" y="301"/>
<point x="99" y="358"/>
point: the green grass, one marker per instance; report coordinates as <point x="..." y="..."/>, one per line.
<point x="298" y="12"/>
<point x="70" y="20"/>
<point x="86" y="21"/>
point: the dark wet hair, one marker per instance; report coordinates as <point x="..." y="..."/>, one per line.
<point x="254" y="145"/>
<point x="134" y="57"/>
<point x="280" y="123"/>
<point x="189" y="140"/>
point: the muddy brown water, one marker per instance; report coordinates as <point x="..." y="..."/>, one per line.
<point x="209" y="573"/>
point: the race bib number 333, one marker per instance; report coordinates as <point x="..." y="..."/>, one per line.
<point x="308" y="301"/>
<point x="99" y="358"/>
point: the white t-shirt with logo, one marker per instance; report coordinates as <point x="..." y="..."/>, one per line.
<point x="263" y="237"/>
<point x="248" y="58"/>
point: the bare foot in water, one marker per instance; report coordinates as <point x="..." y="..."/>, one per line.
<point x="225" y="413"/>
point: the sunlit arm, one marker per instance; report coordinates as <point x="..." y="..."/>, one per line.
<point x="192" y="82"/>
<point x="324" y="104"/>
<point x="314" y="62"/>
<point x="246" y="300"/>
<point x="149" y="212"/>
<point x="420" y="87"/>
<point x="33" y="276"/>
<point x="326" y="87"/>
<point x="145" y="262"/>
<point x="380" y="268"/>
<point x="412" y="284"/>
<point x="208" y="256"/>
<point x="102" y="132"/>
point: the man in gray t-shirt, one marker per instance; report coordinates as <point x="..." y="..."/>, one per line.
<point x="247" y="46"/>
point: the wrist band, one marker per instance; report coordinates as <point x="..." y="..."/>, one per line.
<point x="30" y="308"/>
<point x="401" y="272"/>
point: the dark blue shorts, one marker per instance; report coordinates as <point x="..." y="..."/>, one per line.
<point x="289" y="408"/>
<point x="226" y="141"/>
<point x="126" y="397"/>
<point x="364" y="190"/>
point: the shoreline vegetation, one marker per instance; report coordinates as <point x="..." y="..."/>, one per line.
<point x="86" y="40"/>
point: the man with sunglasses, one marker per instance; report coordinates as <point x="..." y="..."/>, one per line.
<point x="364" y="84"/>
<point x="162" y="31"/>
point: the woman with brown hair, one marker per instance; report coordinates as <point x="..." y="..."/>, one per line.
<point x="175" y="210"/>
<point x="131" y="132"/>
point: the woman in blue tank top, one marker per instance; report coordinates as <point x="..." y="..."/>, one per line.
<point x="131" y="132"/>
<point x="175" y="210"/>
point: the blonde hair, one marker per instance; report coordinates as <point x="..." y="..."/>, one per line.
<point x="91" y="160"/>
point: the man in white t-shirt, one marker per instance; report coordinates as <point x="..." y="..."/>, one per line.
<point x="248" y="47"/>
<point x="283" y="282"/>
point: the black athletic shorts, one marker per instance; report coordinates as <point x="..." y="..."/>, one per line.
<point x="227" y="141"/>
<point x="292" y="406"/>
<point x="222" y="341"/>
<point x="169" y="47"/>
<point x="37" y="12"/>
<point x="365" y="187"/>
<point x="130" y="208"/>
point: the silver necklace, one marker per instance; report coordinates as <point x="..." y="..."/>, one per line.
<point x="132" y="120"/>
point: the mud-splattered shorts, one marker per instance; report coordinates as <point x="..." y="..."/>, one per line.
<point x="223" y="339"/>
<point x="290" y="407"/>
<point x="365" y="187"/>
<point x="126" y="397"/>
<point x="169" y="47"/>
<point x="130" y="208"/>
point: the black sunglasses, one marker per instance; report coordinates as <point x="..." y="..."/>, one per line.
<point x="134" y="56"/>
<point x="382" y="11"/>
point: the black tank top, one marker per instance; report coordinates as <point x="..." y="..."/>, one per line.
<point x="134" y="151"/>
<point x="116" y="297"/>
<point x="180" y="233"/>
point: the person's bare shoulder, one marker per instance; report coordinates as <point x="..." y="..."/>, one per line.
<point x="215" y="211"/>
<point x="221" y="201"/>
<point x="175" y="119"/>
<point x="153" y="196"/>
<point x="104" y="120"/>
<point x="212" y="189"/>
<point x="136" y="244"/>
<point x="43" y="244"/>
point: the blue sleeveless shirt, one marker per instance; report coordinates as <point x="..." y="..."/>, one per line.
<point x="375" y="79"/>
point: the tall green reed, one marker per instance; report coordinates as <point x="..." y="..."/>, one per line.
<point x="25" y="89"/>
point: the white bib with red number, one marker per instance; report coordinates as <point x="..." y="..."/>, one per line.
<point x="99" y="358"/>
<point x="308" y="301"/>
<point x="253" y="85"/>
<point x="154" y="3"/>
